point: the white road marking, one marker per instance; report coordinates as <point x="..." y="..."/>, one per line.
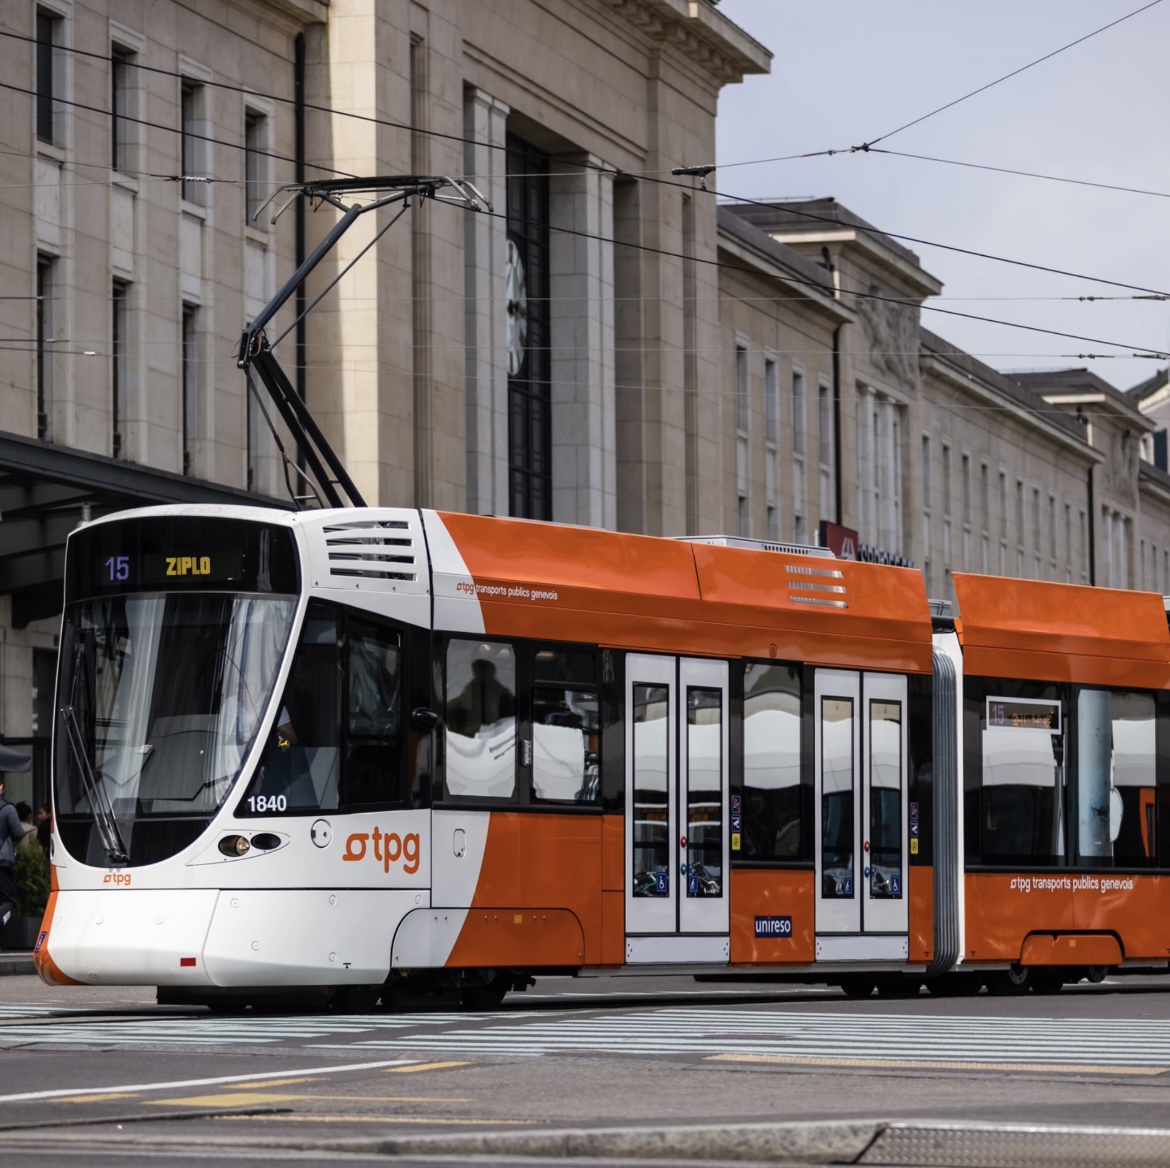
<point x="175" y="1084"/>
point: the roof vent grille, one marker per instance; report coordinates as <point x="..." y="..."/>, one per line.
<point x="760" y="545"/>
<point x="822" y="587"/>
<point x="376" y="549"/>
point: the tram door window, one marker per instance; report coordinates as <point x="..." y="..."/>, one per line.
<point x="862" y="816"/>
<point x="886" y="815"/>
<point x="773" y="795"/>
<point x="651" y="767"/>
<point x="480" y="736"/>
<point x="677" y="806"/>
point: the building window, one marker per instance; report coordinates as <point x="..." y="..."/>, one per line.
<point x="529" y="365"/>
<point x="946" y="479"/>
<point x="742" y="425"/>
<point x="742" y="402"/>
<point x="799" y="424"/>
<point x="121" y="107"/>
<point x="985" y="498"/>
<point x="798" y="414"/>
<point x="966" y="487"/>
<point x="827" y="460"/>
<point x="1036" y="537"/>
<point x="191" y="141"/>
<point x="45" y="314"/>
<point x="190" y="385"/>
<point x="771" y="443"/>
<point x="927" y="475"/>
<point x="119" y="371"/>
<point x="255" y="164"/>
<point x="771" y="401"/>
<point x="48" y="35"/>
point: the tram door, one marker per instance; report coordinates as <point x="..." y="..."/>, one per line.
<point x="860" y="770"/>
<point x="676" y="845"/>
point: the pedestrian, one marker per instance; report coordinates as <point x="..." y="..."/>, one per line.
<point x="11" y="833"/>
<point x="44" y="821"/>
<point x="24" y="812"/>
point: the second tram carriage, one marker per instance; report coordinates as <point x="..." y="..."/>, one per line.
<point x="339" y="751"/>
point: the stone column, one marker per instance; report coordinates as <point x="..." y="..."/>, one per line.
<point x="485" y="249"/>
<point x="584" y="461"/>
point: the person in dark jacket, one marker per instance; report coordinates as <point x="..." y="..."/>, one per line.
<point x="11" y="833"/>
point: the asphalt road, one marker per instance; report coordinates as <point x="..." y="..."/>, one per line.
<point x="98" y="1074"/>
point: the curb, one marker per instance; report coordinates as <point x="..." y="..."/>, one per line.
<point x="867" y="1142"/>
<point x="14" y="964"/>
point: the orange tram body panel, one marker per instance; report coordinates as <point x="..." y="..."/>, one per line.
<point x="565" y="749"/>
<point x="1098" y="899"/>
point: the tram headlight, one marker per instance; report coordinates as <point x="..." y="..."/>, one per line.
<point x="234" y="845"/>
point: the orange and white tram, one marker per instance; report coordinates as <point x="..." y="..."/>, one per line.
<point x="337" y="751"/>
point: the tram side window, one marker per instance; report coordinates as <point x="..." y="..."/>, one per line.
<point x="1021" y="803"/>
<point x="565" y="732"/>
<point x="373" y="758"/>
<point x="300" y="769"/>
<point x="773" y="797"/>
<point x="480" y="735"/>
<point x="1116" y="778"/>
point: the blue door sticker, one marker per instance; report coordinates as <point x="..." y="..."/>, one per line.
<point x="896" y="887"/>
<point x="661" y="883"/>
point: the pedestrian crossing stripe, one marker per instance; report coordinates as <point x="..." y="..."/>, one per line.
<point x="779" y="1036"/>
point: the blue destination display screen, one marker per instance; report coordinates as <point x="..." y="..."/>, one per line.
<point x="180" y="553"/>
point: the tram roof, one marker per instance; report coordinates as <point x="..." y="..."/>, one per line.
<point x="1062" y="632"/>
<point x="676" y="596"/>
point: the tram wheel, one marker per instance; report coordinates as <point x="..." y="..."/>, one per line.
<point x="858" y="985"/>
<point x="1050" y="982"/>
<point x="897" y="985"/>
<point x="1016" y="979"/>
<point x="955" y="985"/>
<point x="227" y="1006"/>
<point x="485" y="995"/>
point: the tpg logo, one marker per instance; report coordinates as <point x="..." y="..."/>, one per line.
<point x="389" y="848"/>
<point x="122" y="878"/>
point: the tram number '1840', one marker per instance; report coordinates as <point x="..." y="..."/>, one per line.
<point x="773" y="926"/>
<point x="267" y="803"/>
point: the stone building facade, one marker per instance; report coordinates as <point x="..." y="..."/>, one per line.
<point x="606" y="346"/>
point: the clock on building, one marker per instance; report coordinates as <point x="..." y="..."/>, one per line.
<point x="516" y="298"/>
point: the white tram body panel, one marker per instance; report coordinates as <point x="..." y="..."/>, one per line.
<point x="324" y="904"/>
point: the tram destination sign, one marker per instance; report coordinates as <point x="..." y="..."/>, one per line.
<point x="1023" y="714"/>
<point x="175" y="553"/>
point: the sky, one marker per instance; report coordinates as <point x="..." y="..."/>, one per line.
<point x="846" y="72"/>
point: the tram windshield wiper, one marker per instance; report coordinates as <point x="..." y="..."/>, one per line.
<point x="99" y="799"/>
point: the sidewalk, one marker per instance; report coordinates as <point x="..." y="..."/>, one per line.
<point x="12" y="963"/>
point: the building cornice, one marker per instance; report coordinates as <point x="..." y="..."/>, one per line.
<point x="969" y="383"/>
<point x="917" y="281"/>
<point x="763" y="257"/>
<point x="699" y="32"/>
<point x="1102" y="402"/>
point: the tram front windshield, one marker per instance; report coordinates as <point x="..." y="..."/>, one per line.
<point x="174" y="630"/>
<point x="161" y="696"/>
